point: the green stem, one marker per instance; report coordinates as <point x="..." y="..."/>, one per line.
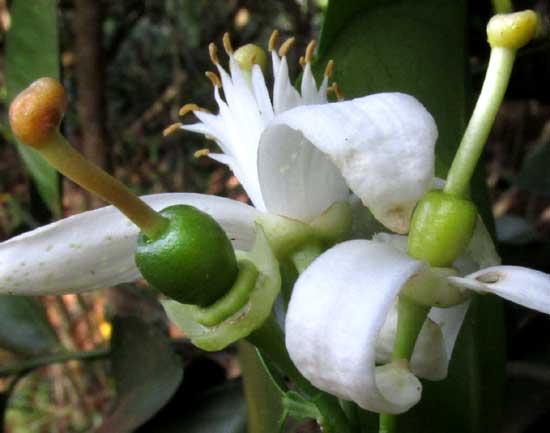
<point x="483" y="117"/>
<point x="303" y="257"/>
<point x="410" y="318"/>
<point x="41" y="361"/>
<point x="388" y="423"/>
<point x="269" y="339"/>
<point x="502" y="6"/>
<point x="262" y="398"/>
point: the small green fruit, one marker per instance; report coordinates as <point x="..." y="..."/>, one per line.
<point x="441" y="228"/>
<point x="192" y="261"/>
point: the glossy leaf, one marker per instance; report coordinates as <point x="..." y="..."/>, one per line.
<point x="24" y="326"/>
<point x="419" y="48"/>
<point x="32" y="52"/>
<point x="147" y="373"/>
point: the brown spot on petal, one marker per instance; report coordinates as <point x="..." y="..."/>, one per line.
<point x="489" y="278"/>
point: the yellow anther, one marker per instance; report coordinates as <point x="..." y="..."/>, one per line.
<point x="273" y="39"/>
<point x="213" y="52"/>
<point x="309" y="50"/>
<point x="335" y="88"/>
<point x="191" y="107"/>
<point x="171" y="129"/>
<point x="286" y="46"/>
<point x="329" y="69"/>
<point x="214" y="79"/>
<point x="302" y="61"/>
<point x="227" y="43"/>
<point x="201" y="152"/>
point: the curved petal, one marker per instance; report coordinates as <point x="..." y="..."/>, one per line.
<point x="337" y="309"/>
<point x="96" y="249"/>
<point x="382" y="144"/>
<point x="297" y="181"/>
<point x="523" y="286"/>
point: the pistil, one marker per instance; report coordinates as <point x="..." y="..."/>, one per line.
<point x="35" y="117"/>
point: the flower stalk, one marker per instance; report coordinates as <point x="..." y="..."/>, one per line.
<point x="506" y="34"/>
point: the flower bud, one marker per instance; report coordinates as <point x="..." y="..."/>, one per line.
<point x="441" y="228"/>
<point x="191" y="261"/>
<point x="37" y="111"/>
<point x="512" y="30"/>
<point x="248" y="55"/>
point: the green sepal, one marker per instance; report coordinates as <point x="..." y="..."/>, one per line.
<point x="245" y="320"/>
<point x="233" y="300"/>
<point x="441" y="228"/>
<point x="286" y="235"/>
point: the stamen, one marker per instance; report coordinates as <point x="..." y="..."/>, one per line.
<point x="302" y="61"/>
<point x="329" y="69"/>
<point x="187" y="108"/>
<point x="286" y="46"/>
<point x="214" y="79"/>
<point x="273" y="39"/>
<point x="201" y="153"/>
<point x="45" y="100"/>
<point x="169" y="130"/>
<point x="309" y="50"/>
<point x="227" y="43"/>
<point x="335" y="88"/>
<point x="213" y="52"/>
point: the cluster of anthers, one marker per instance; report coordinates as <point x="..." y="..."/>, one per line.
<point x="249" y="63"/>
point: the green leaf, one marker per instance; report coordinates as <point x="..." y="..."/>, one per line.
<point x="24" y="326"/>
<point x="147" y="373"/>
<point x="32" y="52"/>
<point x="218" y="410"/>
<point x="419" y="48"/>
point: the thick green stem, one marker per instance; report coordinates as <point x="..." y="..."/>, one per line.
<point x="502" y="6"/>
<point x="410" y="319"/>
<point x="269" y="339"/>
<point x="388" y="423"/>
<point x="262" y="398"/>
<point x="303" y="257"/>
<point x="483" y="117"/>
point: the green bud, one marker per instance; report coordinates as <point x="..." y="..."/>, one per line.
<point x="191" y="261"/>
<point x="441" y="228"/>
<point x="249" y="55"/>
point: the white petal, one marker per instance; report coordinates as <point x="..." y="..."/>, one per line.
<point x="429" y="361"/>
<point x="383" y="145"/>
<point x="523" y="286"/>
<point x="309" y="87"/>
<point x="96" y="249"/>
<point x="337" y="309"/>
<point x="285" y="96"/>
<point x="296" y="180"/>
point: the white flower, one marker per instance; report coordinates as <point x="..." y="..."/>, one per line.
<point x="295" y="156"/>
<point x="341" y="319"/>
